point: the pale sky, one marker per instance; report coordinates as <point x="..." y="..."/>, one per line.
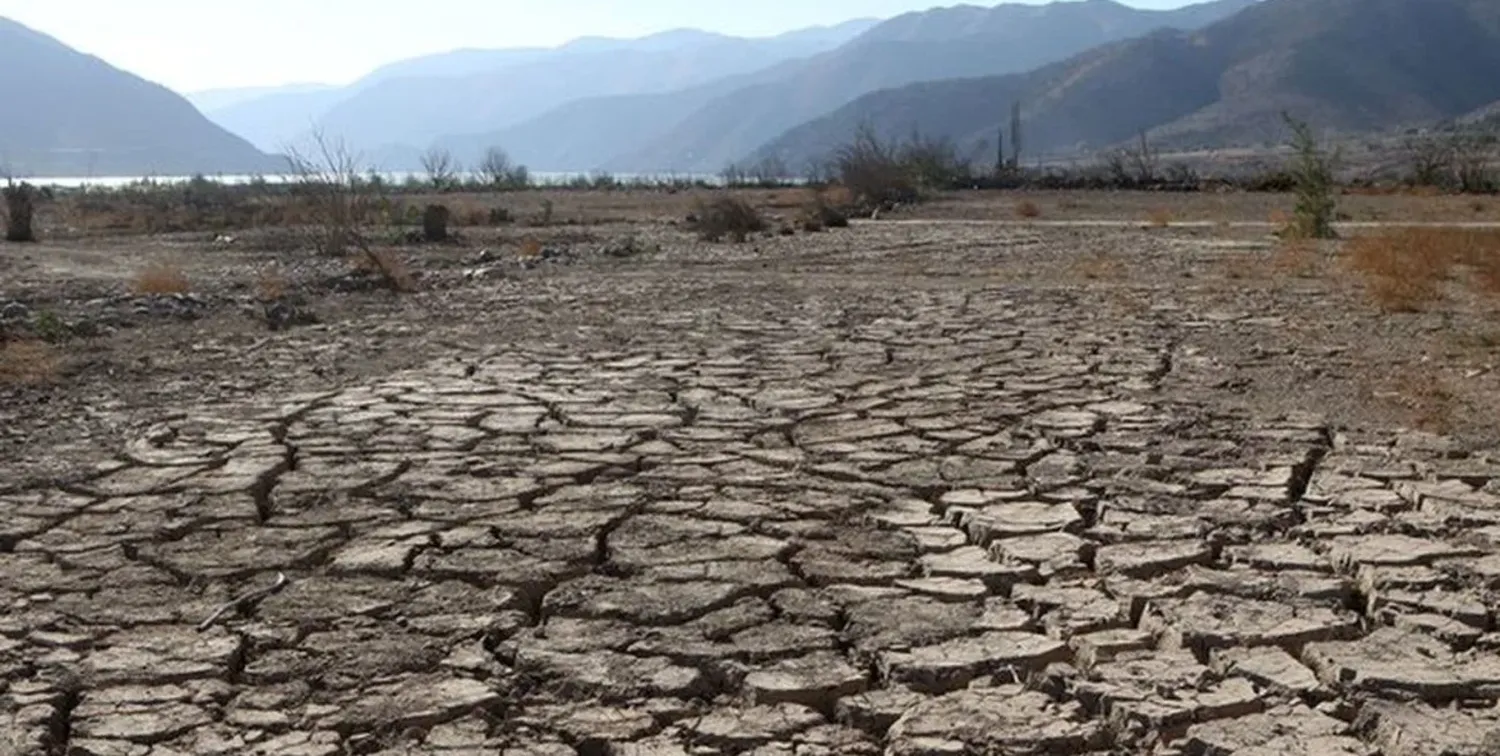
<point x="191" y="45"/>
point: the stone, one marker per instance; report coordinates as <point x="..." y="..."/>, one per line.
<point x="1399" y="729"/>
<point x="953" y="664"/>
<point x="1278" y="731"/>
<point x="998" y="720"/>
<point x="1271" y="668"/>
<point x="1204" y="622"/>
<point x="816" y="681"/>
<point x="1148" y="559"/>
<point x="1390" y="662"/>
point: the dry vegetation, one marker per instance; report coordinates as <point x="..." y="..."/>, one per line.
<point x="1028" y="209"/>
<point x="723" y="216"/>
<point x="160" y="279"/>
<point x="1407" y="270"/>
<point x="27" y="363"/>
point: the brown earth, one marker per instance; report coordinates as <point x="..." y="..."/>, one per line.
<point x="914" y="487"/>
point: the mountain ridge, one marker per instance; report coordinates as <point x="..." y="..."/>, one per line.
<point x="1343" y="65"/>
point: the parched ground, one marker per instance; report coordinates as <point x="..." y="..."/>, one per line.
<point x="913" y="487"/>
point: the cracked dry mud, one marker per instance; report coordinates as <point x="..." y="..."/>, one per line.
<point x="980" y="522"/>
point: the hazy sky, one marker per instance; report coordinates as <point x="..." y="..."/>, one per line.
<point x="199" y="44"/>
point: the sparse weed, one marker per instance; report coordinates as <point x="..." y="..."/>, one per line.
<point x="27" y="363"/>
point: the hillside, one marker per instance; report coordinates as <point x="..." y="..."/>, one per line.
<point x="70" y="114"/>
<point x="413" y="102"/>
<point x="1345" y="65"/>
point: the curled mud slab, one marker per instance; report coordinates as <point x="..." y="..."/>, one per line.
<point x="976" y="521"/>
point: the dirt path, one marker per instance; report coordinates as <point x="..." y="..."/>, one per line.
<point x="889" y="495"/>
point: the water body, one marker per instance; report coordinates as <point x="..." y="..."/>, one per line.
<point x="540" y="178"/>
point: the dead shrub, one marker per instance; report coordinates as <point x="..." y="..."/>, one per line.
<point x="20" y="209"/>
<point x="160" y="278"/>
<point x="725" y="216"/>
<point x="819" y="215"/>
<point x="1028" y="209"/>
<point x="27" y="363"/>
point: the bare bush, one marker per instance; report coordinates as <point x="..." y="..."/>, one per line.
<point x="1136" y="164"/>
<point x="820" y="215"/>
<point x="725" y="216"/>
<point x="1473" y="158"/>
<point x="1429" y="160"/>
<point x="872" y="170"/>
<point x="885" y="174"/>
<point x="341" y="205"/>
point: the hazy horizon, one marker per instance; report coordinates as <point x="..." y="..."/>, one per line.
<point x="192" y="46"/>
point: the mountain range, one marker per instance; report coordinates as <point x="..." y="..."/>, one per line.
<point x="69" y="114"/>
<point x="1087" y="74"/>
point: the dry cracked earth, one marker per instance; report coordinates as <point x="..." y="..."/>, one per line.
<point x="974" y="522"/>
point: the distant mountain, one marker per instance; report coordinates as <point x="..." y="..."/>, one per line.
<point x="70" y="114"/>
<point x="415" y="101"/>
<point x="216" y="99"/>
<point x="1345" y="65"/>
<point x="703" y="128"/>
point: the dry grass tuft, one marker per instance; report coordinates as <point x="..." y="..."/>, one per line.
<point x="386" y="264"/>
<point x="27" y="363"/>
<point x="1432" y="405"/>
<point x="1028" y="209"/>
<point x="1405" y="269"/>
<point x="1159" y="217"/>
<point x="271" y="285"/>
<point x="1099" y="266"/>
<point x="161" y="278"/>
<point x="1295" y="257"/>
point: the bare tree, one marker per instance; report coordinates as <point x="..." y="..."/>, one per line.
<point x="1473" y="155"/>
<point x="1430" y="159"/>
<point x="440" y="166"/>
<point x="1015" y="135"/>
<point x="342" y="203"/>
<point x="498" y="171"/>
